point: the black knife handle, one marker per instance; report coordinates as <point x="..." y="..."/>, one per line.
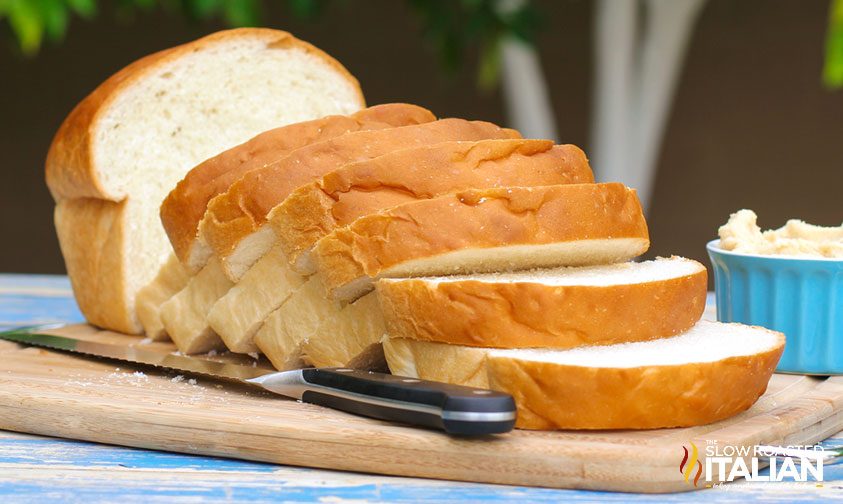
<point x="452" y="408"/>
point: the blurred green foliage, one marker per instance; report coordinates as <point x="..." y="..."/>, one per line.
<point x="454" y="27"/>
<point x="833" y="70"/>
<point x="457" y="26"/>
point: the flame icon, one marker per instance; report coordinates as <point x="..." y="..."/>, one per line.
<point x="686" y="467"/>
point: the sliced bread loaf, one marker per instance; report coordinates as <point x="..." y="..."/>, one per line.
<point x="234" y="222"/>
<point x="360" y="189"/>
<point x="184" y="207"/>
<point x="556" y="308"/>
<point x="709" y="373"/>
<point x="397" y="177"/>
<point x="125" y="146"/>
<point x="499" y="229"/>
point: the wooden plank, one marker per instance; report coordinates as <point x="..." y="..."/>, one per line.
<point x="56" y="394"/>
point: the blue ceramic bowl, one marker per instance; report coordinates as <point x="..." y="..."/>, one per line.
<point x="803" y="298"/>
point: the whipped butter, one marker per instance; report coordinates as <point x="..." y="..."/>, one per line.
<point x="796" y="238"/>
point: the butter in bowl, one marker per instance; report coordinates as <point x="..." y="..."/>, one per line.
<point x="789" y="280"/>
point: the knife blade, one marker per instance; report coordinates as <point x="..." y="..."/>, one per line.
<point x="454" y="409"/>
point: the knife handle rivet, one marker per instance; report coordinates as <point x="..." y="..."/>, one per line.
<point x="343" y="370"/>
<point x="410" y="380"/>
<point x="481" y="392"/>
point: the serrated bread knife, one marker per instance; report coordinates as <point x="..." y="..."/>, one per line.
<point x="452" y="408"/>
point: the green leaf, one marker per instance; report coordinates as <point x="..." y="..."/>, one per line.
<point x="27" y="24"/>
<point x="85" y="8"/>
<point x="242" y="12"/>
<point x="55" y="16"/>
<point x="833" y="69"/>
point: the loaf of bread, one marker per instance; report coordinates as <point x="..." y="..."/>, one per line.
<point x="322" y="234"/>
<point x="126" y="145"/>
<point x="709" y="373"/>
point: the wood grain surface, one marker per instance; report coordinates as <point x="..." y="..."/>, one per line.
<point x="56" y="394"/>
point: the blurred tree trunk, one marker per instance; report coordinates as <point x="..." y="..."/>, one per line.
<point x="635" y="79"/>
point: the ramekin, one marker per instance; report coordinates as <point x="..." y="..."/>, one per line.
<point x="801" y="297"/>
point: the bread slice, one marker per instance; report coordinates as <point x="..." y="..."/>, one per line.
<point x="167" y="283"/>
<point x="488" y="230"/>
<point x="125" y="145"/>
<point x="360" y="189"/>
<point x="234" y="222"/>
<point x="281" y="336"/>
<point x="348" y="337"/>
<point x="555" y="308"/>
<point x="309" y="329"/>
<point x="709" y="373"/>
<point x="365" y="187"/>
<point x="238" y="315"/>
<point x="184" y="207"/>
<point x="184" y="315"/>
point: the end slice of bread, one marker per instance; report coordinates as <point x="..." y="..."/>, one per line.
<point x="499" y="229"/>
<point x="555" y="308"/>
<point x="234" y="224"/>
<point x="183" y="209"/>
<point x="126" y="145"/>
<point x="709" y="373"/>
<point x="360" y="189"/>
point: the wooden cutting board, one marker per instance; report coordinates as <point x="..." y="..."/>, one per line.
<point x="57" y="394"/>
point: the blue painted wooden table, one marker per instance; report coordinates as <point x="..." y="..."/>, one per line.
<point x="38" y="469"/>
